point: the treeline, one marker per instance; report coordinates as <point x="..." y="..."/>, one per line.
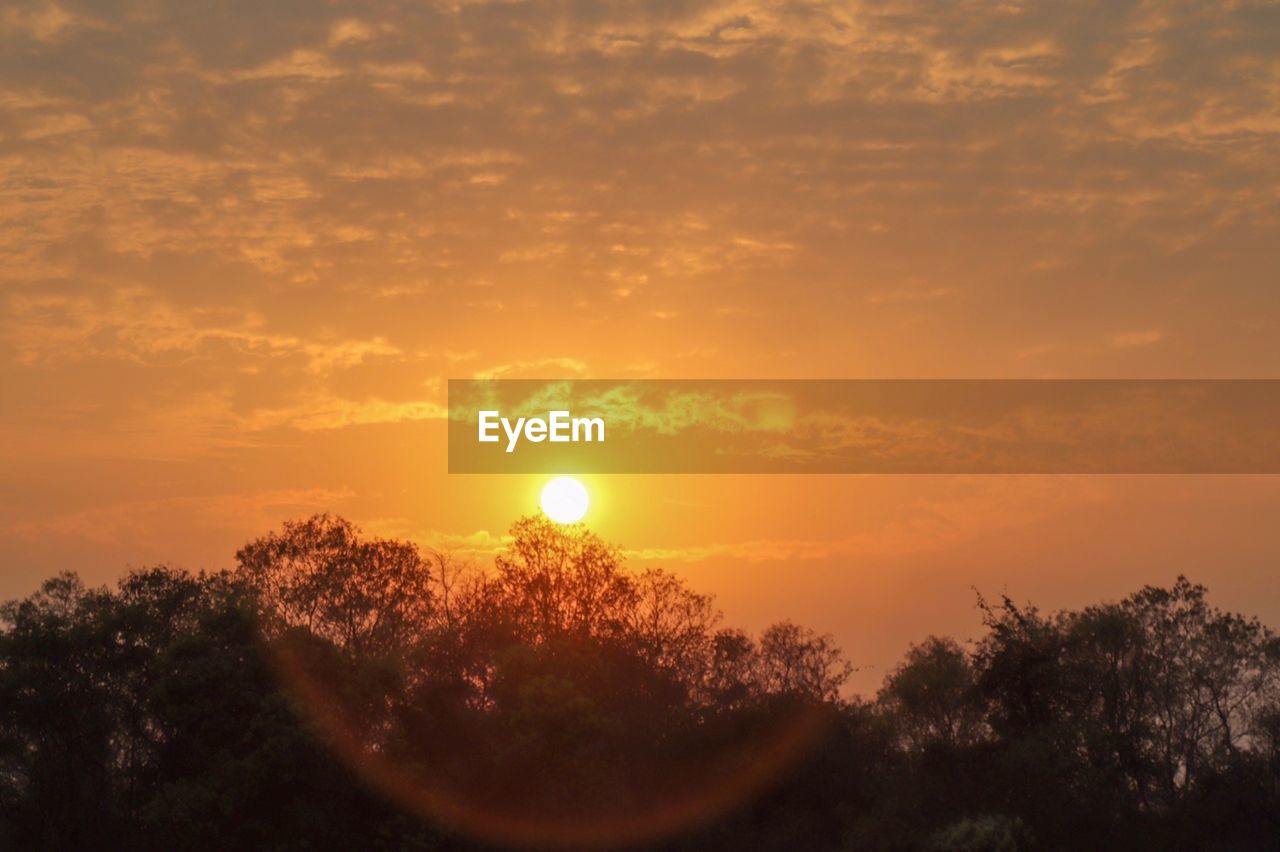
<point x="342" y="692"/>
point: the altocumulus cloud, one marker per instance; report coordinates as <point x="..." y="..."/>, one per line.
<point x="245" y="224"/>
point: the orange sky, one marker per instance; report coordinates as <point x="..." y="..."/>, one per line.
<point x="244" y="247"/>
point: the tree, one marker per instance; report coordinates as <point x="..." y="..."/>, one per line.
<point x="563" y="699"/>
<point x="1128" y="709"/>
<point x="797" y="661"/>
<point x="554" y="581"/>
<point x="933" y="698"/>
<point x="365" y="595"/>
<point x="146" y="717"/>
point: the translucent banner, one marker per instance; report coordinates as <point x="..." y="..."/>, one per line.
<point x="864" y="426"/>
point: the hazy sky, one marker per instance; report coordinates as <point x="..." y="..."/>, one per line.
<point x="245" y="243"/>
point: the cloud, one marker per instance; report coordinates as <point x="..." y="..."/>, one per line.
<point x="532" y="369"/>
<point x="479" y="545"/>
<point x="710" y="154"/>
<point x="331" y="412"/>
<point x="978" y="507"/>
<point x="1130" y="339"/>
<point x="147" y="520"/>
<point x="287" y="221"/>
<point x="907" y="294"/>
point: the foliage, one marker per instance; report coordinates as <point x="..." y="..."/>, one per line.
<point x="982" y="834"/>
<point x="334" y="690"/>
<point x="933" y="697"/>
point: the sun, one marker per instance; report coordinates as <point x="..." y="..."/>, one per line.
<point x="565" y="500"/>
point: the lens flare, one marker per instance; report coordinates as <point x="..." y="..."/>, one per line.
<point x="668" y="800"/>
<point x="565" y="500"/>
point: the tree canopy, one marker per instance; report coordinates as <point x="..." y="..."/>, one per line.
<point x="336" y="690"/>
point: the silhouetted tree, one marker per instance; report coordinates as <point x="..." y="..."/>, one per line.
<point x="1127" y="709"/>
<point x="147" y="718"/>
<point x="932" y="697"/>
<point x="561" y="698"/>
<point x="365" y="595"/>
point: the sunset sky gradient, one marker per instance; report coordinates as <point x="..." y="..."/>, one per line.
<point x="245" y="244"/>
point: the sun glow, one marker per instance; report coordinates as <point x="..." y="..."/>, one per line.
<point x="565" y="500"/>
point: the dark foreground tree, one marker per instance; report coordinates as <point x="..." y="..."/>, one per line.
<point x="1127" y="722"/>
<point x="337" y="691"/>
<point x="148" y="718"/>
<point x="556" y="699"/>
